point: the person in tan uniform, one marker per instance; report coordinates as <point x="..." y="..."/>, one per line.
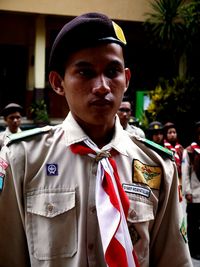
<point x="191" y="186"/>
<point x="124" y="114"/>
<point x="86" y="193"/>
<point x="12" y="114"/>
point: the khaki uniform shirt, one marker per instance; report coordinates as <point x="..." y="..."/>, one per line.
<point x="47" y="205"/>
<point x="191" y="183"/>
<point x="135" y="130"/>
<point x="6" y="133"/>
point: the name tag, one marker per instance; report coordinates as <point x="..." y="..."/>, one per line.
<point x="136" y="189"/>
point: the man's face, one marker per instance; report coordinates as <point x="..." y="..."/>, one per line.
<point x="13" y="121"/>
<point x="124" y="113"/>
<point x="94" y="82"/>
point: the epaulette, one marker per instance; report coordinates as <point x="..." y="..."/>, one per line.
<point x="158" y="148"/>
<point x="25" y="134"/>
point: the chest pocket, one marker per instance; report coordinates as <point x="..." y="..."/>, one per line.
<point x="140" y="210"/>
<point x="51" y="224"/>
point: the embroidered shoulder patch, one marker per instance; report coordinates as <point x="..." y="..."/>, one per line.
<point x="184" y="231"/>
<point x="3" y="164"/>
<point x="1" y="181"/>
<point x="145" y="174"/>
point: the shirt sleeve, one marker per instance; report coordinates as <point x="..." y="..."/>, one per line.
<point x="169" y="240"/>
<point x="186" y="170"/>
<point x="13" y="245"/>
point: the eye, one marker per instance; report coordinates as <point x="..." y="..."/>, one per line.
<point x="86" y="72"/>
<point x="113" y="71"/>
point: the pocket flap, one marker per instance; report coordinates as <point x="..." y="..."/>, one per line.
<point x="140" y="212"/>
<point x="50" y="204"/>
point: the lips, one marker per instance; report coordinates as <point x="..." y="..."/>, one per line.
<point x="101" y="102"/>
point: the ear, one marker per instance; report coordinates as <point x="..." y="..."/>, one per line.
<point x="56" y="82"/>
<point x="128" y="77"/>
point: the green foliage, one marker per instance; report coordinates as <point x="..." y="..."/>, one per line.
<point x="190" y="13"/>
<point x="165" y="23"/>
<point x="174" y="25"/>
<point x="174" y="100"/>
<point x="39" y="112"/>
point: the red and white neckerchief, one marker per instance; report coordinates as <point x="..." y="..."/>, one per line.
<point x="196" y="147"/>
<point x="175" y="150"/>
<point x="112" y="206"/>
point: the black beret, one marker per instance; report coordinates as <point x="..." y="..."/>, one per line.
<point x="84" y="31"/>
<point x="155" y="125"/>
<point x="11" y="108"/>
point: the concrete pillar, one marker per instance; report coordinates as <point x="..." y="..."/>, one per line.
<point x="39" y="66"/>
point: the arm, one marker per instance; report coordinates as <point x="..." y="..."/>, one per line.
<point x="169" y="232"/>
<point x="186" y="172"/>
<point x="13" y="246"/>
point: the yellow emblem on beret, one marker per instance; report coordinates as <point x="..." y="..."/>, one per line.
<point x="145" y="174"/>
<point x="119" y="32"/>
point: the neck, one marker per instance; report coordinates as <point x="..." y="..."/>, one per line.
<point x="99" y="134"/>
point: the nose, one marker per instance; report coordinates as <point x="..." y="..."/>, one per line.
<point x="101" y="85"/>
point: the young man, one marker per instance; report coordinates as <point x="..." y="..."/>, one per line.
<point x="12" y="114"/>
<point x="124" y="113"/>
<point x="83" y="193"/>
<point x="191" y="186"/>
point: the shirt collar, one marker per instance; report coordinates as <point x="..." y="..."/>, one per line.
<point x="73" y="133"/>
<point x="8" y="132"/>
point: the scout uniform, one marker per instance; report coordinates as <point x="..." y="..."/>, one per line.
<point x="191" y="186"/>
<point x="135" y="130"/>
<point x="7" y="110"/>
<point x="47" y="200"/>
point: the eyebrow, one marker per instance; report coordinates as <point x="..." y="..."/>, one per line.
<point x="83" y="63"/>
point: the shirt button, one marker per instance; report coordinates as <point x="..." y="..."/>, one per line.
<point x="50" y="207"/>
<point x="94" y="171"/>
<point x="93" y="209"/>
<point x="132" y="214"/>
<point x="90" y="246"/>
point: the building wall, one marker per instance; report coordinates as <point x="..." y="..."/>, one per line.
<point x="18" y="41"/>
<point x="132" y="10"/>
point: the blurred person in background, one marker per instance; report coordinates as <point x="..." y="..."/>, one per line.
<point x="191" y="190"/>
<point x="12" y="114"/>
<point x="155" y="132"/>
<point x="172" y="143"/>
<point x="124" y="114"/>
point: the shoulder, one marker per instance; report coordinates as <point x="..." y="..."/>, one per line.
<point x="135" y="130"/>
<point x="189" y="149"/>
<point x="162" y="151"/>
<point x="27" y="135"/>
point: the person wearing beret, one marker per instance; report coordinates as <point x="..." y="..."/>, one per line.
<point x="12" y="114"/>
<point x="155" y="132"/>
<point x="191" y="190"/>
<point x="83" y="193"/>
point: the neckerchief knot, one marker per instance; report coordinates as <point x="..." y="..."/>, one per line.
<point x="101" y="155"/>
